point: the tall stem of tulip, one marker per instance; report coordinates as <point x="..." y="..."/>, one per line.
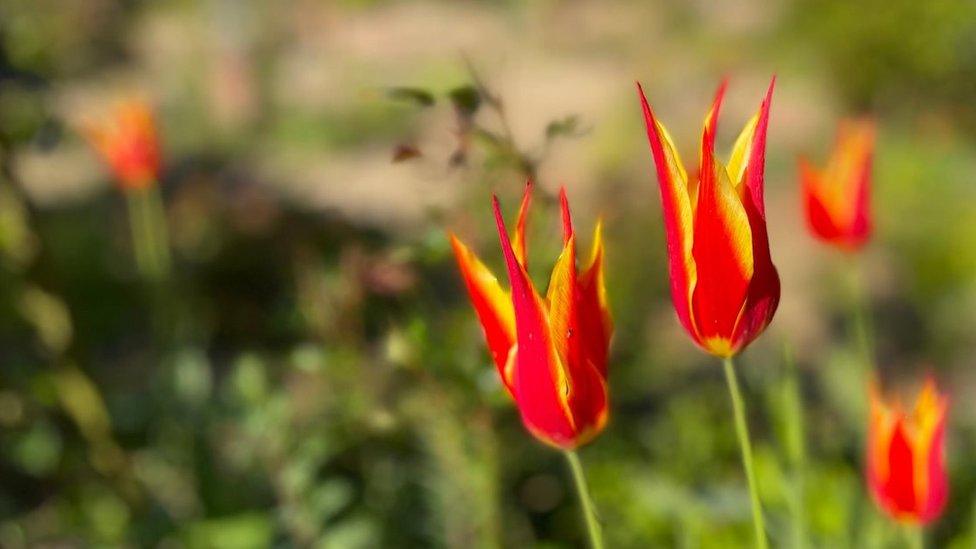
<point x="862" y="325"/>
<point x="160" y="231"/>
<point x="796" y="447"/>
<point x="589" y="511"/>
<point x="141" y="247"/>
<point x="915" y="536"/>
<point x="745" y="447"/>
<point x="150" y="236"/>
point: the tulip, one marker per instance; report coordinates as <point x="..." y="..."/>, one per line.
<point x="551" y="353"/>
<point x="837" y="198"/>
<point x="128" y="144"/>
<point x="724" y="285"/>
<point x="906" y="456"/>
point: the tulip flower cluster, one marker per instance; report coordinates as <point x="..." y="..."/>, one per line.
<point x="551" y="352"/>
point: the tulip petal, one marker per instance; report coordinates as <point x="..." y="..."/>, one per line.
<point x="595" y="320"/>
<point x="586" y="393"/>
<point x="928" y="447"/>
<point x="677" y="213"/>
<point x="764" y="287"/>
<point x="819" y="217"/>
<point x="899" y="487"/>
<point x="880" y="430"/>
<point x="937" y="480"/>
<point x="564" y="216"/>
<point x="540" y="382"/>
<point x="519" y="243"/>
<point x="493" y="306"/>
<point x="741" y="152"/>
<point x="561" y="297"/>
<point x="722" y="250"/>
<point x="754" y="172"/>
<point x="711" y="128"/>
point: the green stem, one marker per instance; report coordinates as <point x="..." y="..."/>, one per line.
<point x="914" y="536"/>
<point x="589" y="511"/>
<point x="156" y="216"/>
<point x="973" y="534"/>
<point x="859" y="313"/>
<point x="141" y="247"/>
<point x="796" y="447"/>
<point x="150" y="241"/>
<point x="742" y="430"/>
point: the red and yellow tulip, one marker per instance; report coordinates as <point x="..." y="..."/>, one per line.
<point x="724" y="285"/>
<point x="551" y="353"/>
<point x="837" y="198"/>
<point x="906" y="456"/>
<point x="129" y="144"/>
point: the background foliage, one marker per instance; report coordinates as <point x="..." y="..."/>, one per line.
<point x="323" y="381"/>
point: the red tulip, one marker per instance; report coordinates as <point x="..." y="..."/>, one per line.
<point x="129" y="144"/>
<point x="551" y="352"/>
<point x="837" y="199"/>
<point x="906" y="456"/>
<point x="724" y="286"/>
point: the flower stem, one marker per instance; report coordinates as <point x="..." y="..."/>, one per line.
<point x="742" y="430"/>
<point x="914" y="536"/>
<point x="147" y="221"/>
<point x="859" y="313"/>
<point x="796" y="447"/>
<point x="140" y="240"/>
<point x="589" y="512"/>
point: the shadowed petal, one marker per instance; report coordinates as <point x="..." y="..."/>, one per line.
<point x="541" y="384"/>
<point x="492" y="304"/>
<point x="677" y="215"/>
<point x="764" y="287"/>
<point x="595" y="320"/>
<point x="519" y="243"/>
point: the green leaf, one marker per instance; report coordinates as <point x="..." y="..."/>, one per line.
<point x="419" y="96"/>
<point x="565" y="127"/>
<point x="466" y="99"/>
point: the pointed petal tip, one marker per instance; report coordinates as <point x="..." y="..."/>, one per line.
<point x="720" y="91"/>
<point x="648" y="112"/>
<point x="565" y="215"/>
<point x="497" y="209"/>
<point x="769" y="90"/>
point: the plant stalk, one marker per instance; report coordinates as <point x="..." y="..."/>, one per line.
<point x="915" y="536"/>
<point x="589" y="511"/>
<point x="150" y="238"/>
<point x="742" y="430"/>
<point x="796" y="448"/>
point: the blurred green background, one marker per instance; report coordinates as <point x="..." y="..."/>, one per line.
<point x="325" y="383"/>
